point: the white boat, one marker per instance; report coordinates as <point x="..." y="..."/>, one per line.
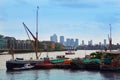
<point x="3" y="53"/>
<point x="26" y="67"/>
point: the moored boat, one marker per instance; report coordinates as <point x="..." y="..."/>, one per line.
<point x="46" y="64"/>
<point x="62" y="64"/>
<point x="26" y="67"/>
<point x="111" y="61"/>
<point x="20" y="64"/>
<point x="3" y="53"/>
<point x="87" y="64"/>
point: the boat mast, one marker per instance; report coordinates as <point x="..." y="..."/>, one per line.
<point x="11" y="49"/>
<point x="36" y="41"/>
<point x="34" y="37"/>
<point x="110" y="38"/>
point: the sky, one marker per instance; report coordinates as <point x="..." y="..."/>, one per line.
<point x="82" y="19"/>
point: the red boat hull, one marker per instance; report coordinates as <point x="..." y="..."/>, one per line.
<point x="44" y="65"/>
<point x="67" y="53"/>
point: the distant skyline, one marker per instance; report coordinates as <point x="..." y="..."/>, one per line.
<point x="81" y="19"/>
<point x="64" y="39"/>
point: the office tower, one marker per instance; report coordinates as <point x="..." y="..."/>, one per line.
<point x="76" y="43"/>
<point x="53" y="38"/>
<point x="62" y="40"/>
<point x="105" y="42"/>
<point x="83" y="43"/>
<point x="68" y="42"/>
<point x="72" y="43"/>
<point x="90" y="43"/>
<point x="100" y="43"/>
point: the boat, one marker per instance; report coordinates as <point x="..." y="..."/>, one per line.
<point x="111" y="61"/>
<point x="59" y="62"/>
<point x="26" y="67"/>
<point x="45" y="64"/>
<point x="69" y="53"/>
<point x="86" y="64"/>
<point x="69" y="50"/>
<point x="3" y="53"/>
<point x="59" y="59"/>
<point x="63" y="65"/>
<point x="20" y="63"/>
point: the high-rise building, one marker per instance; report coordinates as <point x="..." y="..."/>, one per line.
<point x="100" y="43"/>
<point x="62" y="40"/>
<point x="76" y="43"/>
<point x="53" y="38"/>
<point x="68" y="42"/>
<point x="72" y="43"/>
<point x="90" y="43"/>
<point x="105" y="43"/>
<point x="83" y="43"/>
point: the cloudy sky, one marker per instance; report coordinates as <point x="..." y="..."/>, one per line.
<point x="82" y="19"/>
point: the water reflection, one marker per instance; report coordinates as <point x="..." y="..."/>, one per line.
<point x="28" y="75"/>
<point x="111" y="75"/>
<point x="12" y="75"/>
<point x="47" y="73"/>
<point x="40" y="74"/>
<point x="58" y="74"/>
<point x="36" y="77"/>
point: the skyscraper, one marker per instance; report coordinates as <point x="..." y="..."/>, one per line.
<point x="68" y="42"/>
<point x="72" y="43"/>
<point x="76" y="43"/>
<point x="100" y="43"/>
<point x="53" y="38"/>
<point x="90" y="43"/>
<point x="105" y="42"/>
<point x="62" y="40"/>
<point x="83" y="43"/>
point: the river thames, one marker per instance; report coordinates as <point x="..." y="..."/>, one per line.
<point x="54" y="74"/>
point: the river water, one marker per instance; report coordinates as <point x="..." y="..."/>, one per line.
<point x="54" y="74"/>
